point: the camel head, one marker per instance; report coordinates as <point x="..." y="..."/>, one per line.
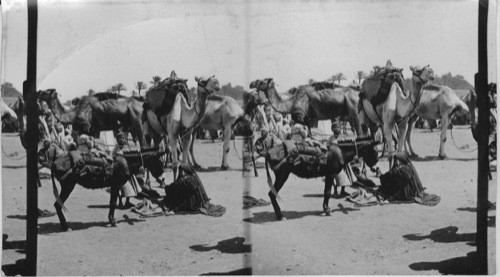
<point x="262" y="85"/>
<point x="209" y="85"/>
<point x="423" y="74"/>
<point x="50" y="97"/>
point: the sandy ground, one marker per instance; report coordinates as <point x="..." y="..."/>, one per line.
<point x="387" y="239"/>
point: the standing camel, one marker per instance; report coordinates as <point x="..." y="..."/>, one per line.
<point x="99" y="112"/>
<point x="310" y="103"/>
<point x="221" y="113"/>
<point x="178" y="119"/>
<point x="436" y="102"/>
<point x="397" y="108"/>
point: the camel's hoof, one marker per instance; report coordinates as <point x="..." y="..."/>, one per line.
<point x="281" y="218"/>
<point x="442" y="157"/>
<point x="327" y="212"/>
<point x="336" y="195"/>
<point x="112" y="222"/>
<point x="224" y="167"/>
<point x="256" y="174"/>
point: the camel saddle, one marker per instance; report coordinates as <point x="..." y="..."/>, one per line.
<point x="161" y="97"/>
<point x="376" y="88"/>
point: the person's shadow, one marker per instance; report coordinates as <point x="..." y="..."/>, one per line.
<point x="229" y="246"/>
<point x="467" y="265"/>
<point x="444" y="235"/>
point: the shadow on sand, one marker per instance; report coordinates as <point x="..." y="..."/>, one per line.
<point x="460" y="265"/>
<point x="14" y="166"/>
<point x="15" y="269"/>
<point x="229" y="246"/>
<point x="216" y="169"/>
<point x="467" y="209"/>
<point x="435" y="158"/>
<point x="444" y="235"/>
<point x="264" y="217"/>
<point x="243" y="271"/>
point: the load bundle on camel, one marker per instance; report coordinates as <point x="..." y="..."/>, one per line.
<point x="95" y="172"/>
<point x="311" y="162"/>
<point x="375" y="88"/>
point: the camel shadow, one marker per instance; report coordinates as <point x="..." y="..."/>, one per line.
<point x="435" y="158"/>
<point x="264" y="217"/>
<point x="215" y="169"/>
<point x="18" y="216"/>
<point x="229" y="246"/>
<point x="243" y="271"/>
<point x="14" y="166"/>
<point x="457" y="266"/>
<point x="467" y="209"/>
<point x="55" y="227"/>
<point x="320" y="195"/>
<point x="444" y="235"/>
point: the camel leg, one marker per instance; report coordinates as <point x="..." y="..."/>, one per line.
<point x="445" y="121"/>
<point x="328" y="193"/>
<point x="281" y="177"/>
<point x="185" y="143"/>
<point x="225" y="148"/>
<point x="66" y="189"/>
<point x="403" y="128"/>
<point x="411" y="121"/>
<point x="172" y="141"/>
<point x="112" y="202"/>
<point x="253" y="157"/>
<point x="388" y="141"/>
<point x="191" y="150"/>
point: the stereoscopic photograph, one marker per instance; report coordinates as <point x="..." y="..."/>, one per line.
<point x="266" y="137"/>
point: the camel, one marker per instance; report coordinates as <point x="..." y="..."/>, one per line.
<point x="310" y="103"/>
<point x="336" y="157"/>
<point x="397" y="108"/>
<point x="99" y="112"/>
<point x="436" y="102"/>
<point x="178" y="120"/>
<point x="121" y="168"/>
<point x="223" y="113"/>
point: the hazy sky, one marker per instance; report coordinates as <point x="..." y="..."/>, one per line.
<point x="96" y="44"/>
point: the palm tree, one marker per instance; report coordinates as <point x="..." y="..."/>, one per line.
<point x="156" y="80"/>
<point x="140" y="85"/>
<point x="338" y="77"/>
<point x="361" y="75"/>
<point x="116" y="88"/>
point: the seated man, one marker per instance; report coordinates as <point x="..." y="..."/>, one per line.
<point x="300" y="133"/>
<point x="48" y="154"/>
<point x="267" y="140"/>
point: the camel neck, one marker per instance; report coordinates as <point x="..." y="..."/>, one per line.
<point x="62" y="115"/>
<point x="416" y="92"/>
<point x="279" y="103"/>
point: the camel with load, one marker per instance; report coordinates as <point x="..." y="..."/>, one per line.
<point x="167" y="111"/>
<point x="397" y="107"/>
